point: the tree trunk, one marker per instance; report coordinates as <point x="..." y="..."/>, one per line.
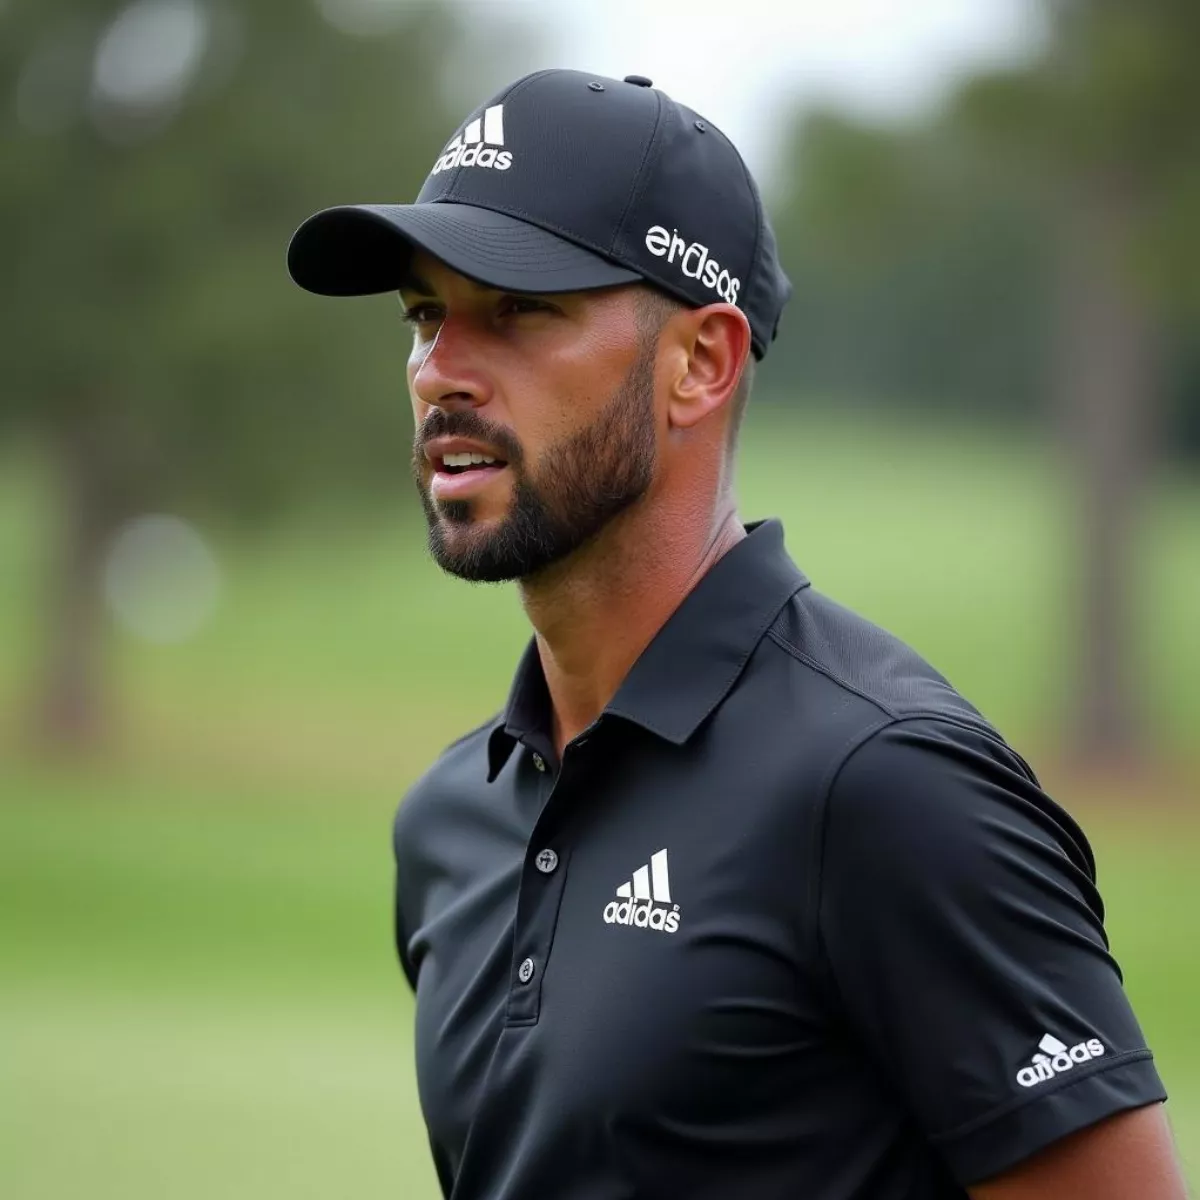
<point x="1109" y="388"/>
<point x="70" y="711"/>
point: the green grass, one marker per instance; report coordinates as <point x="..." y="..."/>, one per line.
<point x="199" y="994"/>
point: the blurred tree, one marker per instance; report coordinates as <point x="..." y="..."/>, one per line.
<point x="1031" y="246"/>
<point x="915" y="262"/>
<point x="158" y="155"/>
<point x="1104" y="125"/>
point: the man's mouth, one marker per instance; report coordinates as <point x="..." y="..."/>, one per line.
<point x="464" y="474"/>
<point x="458" y="464"/>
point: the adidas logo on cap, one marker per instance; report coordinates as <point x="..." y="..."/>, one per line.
<point x="477" y="145"/>
<point x="645" y="902"/>
<point x="1055" y="1057"/>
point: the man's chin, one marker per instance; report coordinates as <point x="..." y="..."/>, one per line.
<point x="483" y="511"/>
<point x="517" y="543"/>
<point x="470" y="549"/>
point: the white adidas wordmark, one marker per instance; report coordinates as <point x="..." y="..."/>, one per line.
<point x="476" y="145"/>
<point x="1055" y="1057"/>
<point x="643" y="901"/>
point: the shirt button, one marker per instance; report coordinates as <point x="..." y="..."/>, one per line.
<point x="525" y="970"/>
<point x="546" y="861"/>
<point x="539" y="761"/>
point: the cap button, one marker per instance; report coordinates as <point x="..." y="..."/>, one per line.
<point x="639" y="80"/>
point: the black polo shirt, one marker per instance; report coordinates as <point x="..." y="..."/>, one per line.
<point x="788" y="920"/>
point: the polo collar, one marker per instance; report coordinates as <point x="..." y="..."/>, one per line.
<point x="693" y="661"/>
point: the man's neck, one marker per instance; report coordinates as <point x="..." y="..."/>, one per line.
<point x="594" y="614"/>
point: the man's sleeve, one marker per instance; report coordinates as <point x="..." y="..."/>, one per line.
<point x="964" y="937"/>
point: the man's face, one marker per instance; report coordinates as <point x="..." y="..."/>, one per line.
<point x="557" y="390"/>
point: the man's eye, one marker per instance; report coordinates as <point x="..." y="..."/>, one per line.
<point x="421" y="314"/>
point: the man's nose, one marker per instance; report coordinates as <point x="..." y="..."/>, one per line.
<point x="452" y="372"/>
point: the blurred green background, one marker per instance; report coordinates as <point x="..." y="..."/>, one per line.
<point x="224" y="653"/>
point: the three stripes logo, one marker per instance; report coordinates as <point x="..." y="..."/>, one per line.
<point x="645" y="901"/>
<point x="1055" y="1057"/>
<point x="478" y="145"/>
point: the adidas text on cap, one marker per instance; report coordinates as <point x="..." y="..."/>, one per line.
<point x="565" y="182"/>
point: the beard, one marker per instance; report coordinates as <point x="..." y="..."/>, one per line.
<point x="583" y="482"/>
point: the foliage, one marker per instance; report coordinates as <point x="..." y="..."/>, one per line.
<point x="919" y="272"/>
<point x="144" y="217"/>
<point x="925" y="254"/>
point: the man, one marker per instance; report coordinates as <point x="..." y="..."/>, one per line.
<point x="737" y="898"/>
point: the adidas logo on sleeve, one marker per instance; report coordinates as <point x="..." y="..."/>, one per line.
<point x="479" y="144"/>
<point x="645" y="901"/>
<point x="1055" y="1057"/>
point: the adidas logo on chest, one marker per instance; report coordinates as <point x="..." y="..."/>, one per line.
<point x="479" y="145"/>
<point x="645" y="901"/>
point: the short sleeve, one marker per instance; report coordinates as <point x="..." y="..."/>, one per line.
<point x="963" y="934"/>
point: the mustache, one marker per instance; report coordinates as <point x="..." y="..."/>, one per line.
<point x="467" y="423"/>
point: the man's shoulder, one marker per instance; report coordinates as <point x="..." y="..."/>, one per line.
<point x="889" y="742"/>
<point x="464" y="759"/>
<point x="457" y="773"/>
<point x="859" y="658"/>
<point x="467" y="749"/>
<point x="860" y="676"/>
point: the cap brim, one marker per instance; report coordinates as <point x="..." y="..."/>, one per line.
<point x="364" y="249"/>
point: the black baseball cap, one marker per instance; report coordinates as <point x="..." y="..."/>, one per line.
<point x="563" y="182"/>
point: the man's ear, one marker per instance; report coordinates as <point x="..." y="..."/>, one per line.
<point x="715" y="342"/>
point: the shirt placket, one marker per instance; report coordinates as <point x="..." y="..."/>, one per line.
<point x="543" y="880"/>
